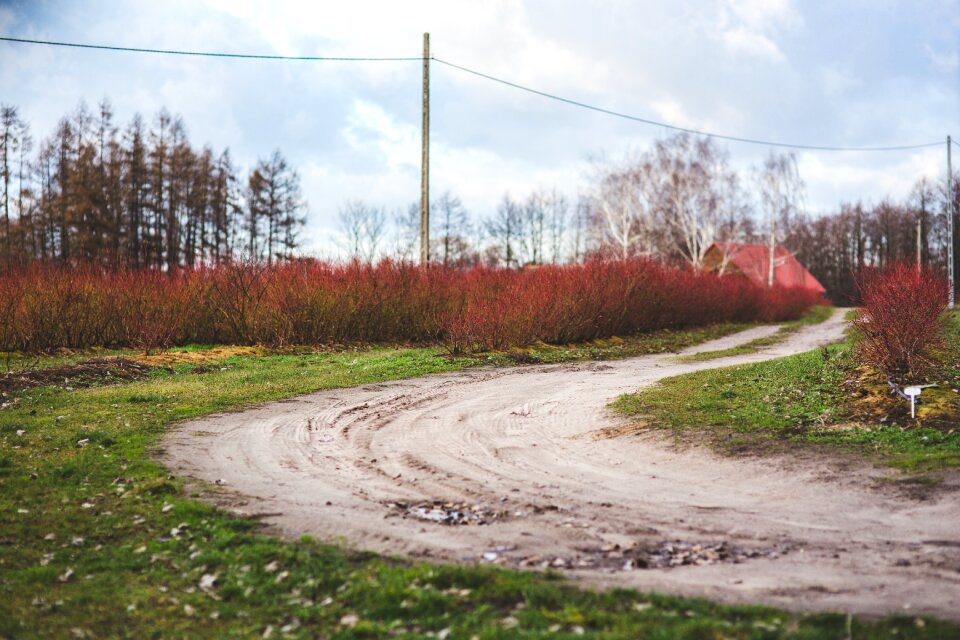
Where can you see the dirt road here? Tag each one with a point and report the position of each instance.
(511, 447)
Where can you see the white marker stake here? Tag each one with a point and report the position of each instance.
(912, 392)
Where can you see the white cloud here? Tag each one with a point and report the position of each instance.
(478, 176)
(495, 36)
(837, 81)
(756, 68)
(833, 178)
(753, 43)
(750, 26)
(765, 14)
(943, 61)
(371, 130)
(672, 112)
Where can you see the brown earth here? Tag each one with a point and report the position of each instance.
(490, 466)
(82, 374)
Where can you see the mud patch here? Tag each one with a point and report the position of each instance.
(83, 374)
(447, 513)
(666, 554)
(617, 431)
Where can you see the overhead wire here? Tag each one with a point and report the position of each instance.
(618, 114)
(209, 54)
(515, 85)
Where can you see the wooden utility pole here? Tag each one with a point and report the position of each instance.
(951, 211)
(425, 160)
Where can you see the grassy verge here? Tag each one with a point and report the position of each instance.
(816, 315)
(815, 398)
(663, 341)
(96, 540)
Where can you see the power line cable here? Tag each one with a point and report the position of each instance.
(207, 54)
(721, 136)
(576, 103)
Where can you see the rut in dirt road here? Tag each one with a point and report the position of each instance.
(492, 466)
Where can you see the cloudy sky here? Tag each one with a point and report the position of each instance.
(845, 73)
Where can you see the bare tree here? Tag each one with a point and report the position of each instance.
(781, 197)
(364, 226)
(504, 230)
(453, 222)
(697, 195)
(406, 231)
(557, 211)
(9, 146)
(275, 199)
(624, 202)
(533, 227)
(582, 218)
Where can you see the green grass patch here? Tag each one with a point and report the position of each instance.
(655, 342)
(97, 540)
(815, 315)
(803, 399)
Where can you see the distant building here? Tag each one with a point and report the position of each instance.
(753, 262)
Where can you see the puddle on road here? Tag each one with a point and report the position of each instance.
(448, 513)
(662, 555)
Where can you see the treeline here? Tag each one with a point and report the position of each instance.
(670, 203)
(140, 196)
(836, 245)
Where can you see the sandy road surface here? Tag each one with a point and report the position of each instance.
(335, 464)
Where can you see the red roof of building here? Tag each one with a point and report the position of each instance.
(753, 260)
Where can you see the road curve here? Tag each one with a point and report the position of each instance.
(352, 464)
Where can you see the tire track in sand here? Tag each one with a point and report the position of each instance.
(331, 462)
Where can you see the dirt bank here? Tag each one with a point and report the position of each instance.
(375, 466)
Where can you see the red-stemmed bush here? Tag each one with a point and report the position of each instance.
(305, 301)
(901, 321)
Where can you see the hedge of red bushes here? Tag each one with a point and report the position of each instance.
(310, 302)
(901, 322)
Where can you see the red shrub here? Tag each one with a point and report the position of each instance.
(311, 302)
(901, 321)
(151, 307)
